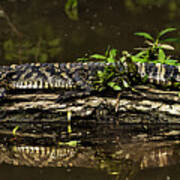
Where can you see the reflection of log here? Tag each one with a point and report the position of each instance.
(126, 159)
(143, 105)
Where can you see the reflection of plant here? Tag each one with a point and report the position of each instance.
(71, 9)
(26, 50)
(172, 7)
(155, 50)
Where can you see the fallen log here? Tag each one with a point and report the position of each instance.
(144, 105)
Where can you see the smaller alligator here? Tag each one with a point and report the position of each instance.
(78, 79)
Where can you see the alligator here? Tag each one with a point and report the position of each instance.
(78, 79)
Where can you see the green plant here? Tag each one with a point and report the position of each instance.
(107, 76)
(110, 55)
(111, 76)
(155, 50)
(119, 79)
(105, 79)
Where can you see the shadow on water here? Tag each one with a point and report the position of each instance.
(44, 31)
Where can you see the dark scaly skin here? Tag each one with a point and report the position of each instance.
(77, 79)
(160, 74)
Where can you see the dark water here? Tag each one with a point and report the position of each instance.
(39, 30)
(20, 173)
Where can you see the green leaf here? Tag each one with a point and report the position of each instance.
(145, 35)
(108, 75)
(15, 130)
(113, 53)
(149, 43)
(111, 84)
(165, 31)
(114, 86)
(100, 74)
(107, 51)
(141, 54)
(117, 88)
(122, 59)
(176, 40)
(177, 84)
(161, 55)
(156, 61)
(101, 89)
(111, 60)
(82, 59)
(73, 143)
(171, 62)
(98, 56)
(166, 46)
(125, 83)
(137, 59)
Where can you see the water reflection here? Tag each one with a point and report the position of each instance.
(119, 151)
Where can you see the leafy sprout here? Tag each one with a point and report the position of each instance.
(109, 56)
(118, 80)
(110, 77)
(107, 76)
(155, 50)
